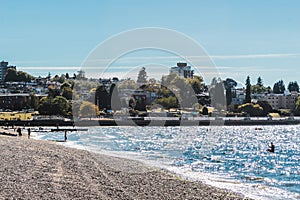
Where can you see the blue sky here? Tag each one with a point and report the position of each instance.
(256, 38)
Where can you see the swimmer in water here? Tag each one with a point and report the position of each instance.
(272, 148)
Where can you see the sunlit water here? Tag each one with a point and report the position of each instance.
(229, 157)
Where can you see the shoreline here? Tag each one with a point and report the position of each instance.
(153, 122)
(34, 169)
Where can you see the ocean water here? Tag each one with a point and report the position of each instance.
(232, 157)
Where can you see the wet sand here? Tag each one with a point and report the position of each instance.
(32, 169)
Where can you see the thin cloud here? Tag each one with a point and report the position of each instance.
(49, 68)
(252, 56)
(170, 60)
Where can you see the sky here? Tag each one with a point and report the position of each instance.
(251, 37)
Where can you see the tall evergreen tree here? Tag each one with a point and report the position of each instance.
(142, 77)
(115, 102)
(229, 84)
(102, 98)
(259, 82)
(248, 90)
(293, 87)
(279, 87)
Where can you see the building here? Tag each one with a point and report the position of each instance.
(239, 96)
(183, 70)
(282, 101)
(3, 69)
(18, 101)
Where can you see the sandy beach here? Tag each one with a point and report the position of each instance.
(32, 169)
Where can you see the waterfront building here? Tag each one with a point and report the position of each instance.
(282, 101)
(3, 69)
(238, 97)
(183, 70)
(17, 101)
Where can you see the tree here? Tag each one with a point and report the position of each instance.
(229, 84)
(205, 110)
(67, 92)
(217, 94)
(140, 103)
(251, 109)
(259, 82)
(248, 90)
(267, 108)
(297, 109)
(279, 87)
(88, 109)
(61, 106)
(60, 79)
(12, 75)
(197, 84)
(54, 106)
(102, 98)
(53, 92)
(115, 101)
(293, 87)
(167, 102)
(142, 77)
(45, 106)
(33, 101)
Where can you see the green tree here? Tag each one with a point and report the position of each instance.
(167, 102)
(205, 110)
(248, 90)
(267, 108)
(67, 92)
(254, 110)
(140, 103)
(142, 77)
(33, 101)
(88, 109)
(279, 87)
(229, 84)
(197, 84)
(115, 100)
(60, 79)
(297, 108)
(61, 106)
(45, 106)
(102, 98)
(259, 82)
(54, 106)
(12, 75)
(293, 86)
(217, 95)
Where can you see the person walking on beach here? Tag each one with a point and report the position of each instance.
(28, 133)
(66, 135)
(272, 148)
(19, 131)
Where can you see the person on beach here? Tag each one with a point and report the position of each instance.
(66, 135)
(28, 133)
(272, 148)
(19, 131)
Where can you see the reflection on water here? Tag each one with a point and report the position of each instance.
(238, 154)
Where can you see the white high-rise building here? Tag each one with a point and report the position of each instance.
(183, 70)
